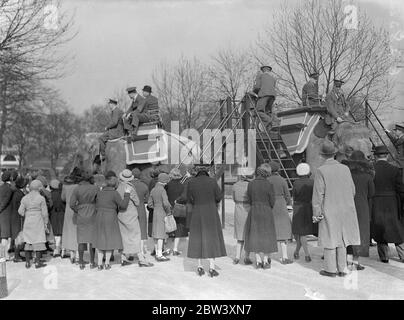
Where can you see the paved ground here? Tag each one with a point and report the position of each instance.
(177, 279)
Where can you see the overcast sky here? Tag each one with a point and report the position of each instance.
(120, 42)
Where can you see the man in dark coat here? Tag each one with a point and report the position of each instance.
(265, 87)
(137, 100)
(6, 194)
(147, 111)
(387, 219)
(337, 108)
(115, 129)
(310, 91)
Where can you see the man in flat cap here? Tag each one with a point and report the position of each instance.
(137, 100)
(147, 111)
(265, 87)
(337, 108)
(115, 129)
(310, 91)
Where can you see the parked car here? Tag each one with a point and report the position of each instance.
(9, 161)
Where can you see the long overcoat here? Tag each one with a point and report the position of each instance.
(57, 212)
(260, 233)
(16, 220)
(108, 204)
(69, 235)
(128, 220)
(205, 232)
(6, 194)
(241, 208)
(387, 219)
(82, 202)
(283, 224)
(158, 200)
(33, 209)
(302, 222)
(333, 197)
(142, 191)
(365, 189)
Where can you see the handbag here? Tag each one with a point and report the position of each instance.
(179, 210)
(169, 224)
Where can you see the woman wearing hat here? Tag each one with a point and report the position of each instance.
(142, 191)
(260, 233)
(283, 225)
(69, 234)
(362, 176)
(16, 220)
(174, 191)
(107, 234)
(158, 200)
(33, 209)
(57, 214)
(302, 222)
(241, 209)
(205, 232)
(129, 222)
(82, 202)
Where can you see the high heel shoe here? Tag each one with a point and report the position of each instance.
(213, 273)
(93, 265)
(27, 264)
(107, 266)
(307, 258)
(258, 265)
(236, 261)
(286, 261)
(82, 266)
(296, 256)
(200, 271)
(100, 267)
(266, 265)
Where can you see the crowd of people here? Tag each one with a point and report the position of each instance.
(346, 205)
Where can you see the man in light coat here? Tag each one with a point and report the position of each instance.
(334, 210)
(265, 87)
(137, 100)
(115, 129)
(337, 107)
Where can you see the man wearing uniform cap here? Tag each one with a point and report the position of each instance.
(310, 91)
(137, 100)
(265, 87)
(115, 129)
(337, 108)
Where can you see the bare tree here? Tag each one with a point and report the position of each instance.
(232, 72)
(183, 90)
(318, 36)
(31, 32)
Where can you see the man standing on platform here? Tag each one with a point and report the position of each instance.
(387, 223)
(115, 129)
(265, 88)
(337, 108)
(334, 209)
(310, 91)
(137, 100)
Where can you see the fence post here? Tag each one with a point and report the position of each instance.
(3, 273)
